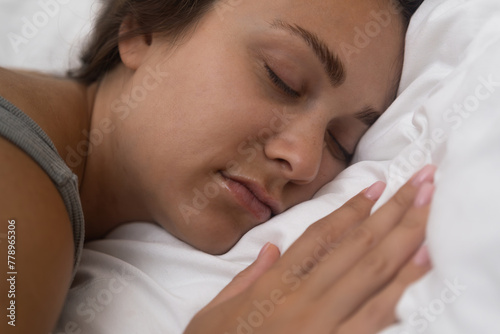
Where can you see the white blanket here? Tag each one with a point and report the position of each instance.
(142, 280)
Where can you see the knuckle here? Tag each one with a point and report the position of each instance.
(362, 236)
(375, 265)
(324, 228)
(303, 271)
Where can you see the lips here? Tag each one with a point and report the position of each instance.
(251, 196)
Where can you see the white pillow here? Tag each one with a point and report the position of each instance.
(40, 34)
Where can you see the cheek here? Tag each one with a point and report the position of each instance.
(329, 169)
(209, 98)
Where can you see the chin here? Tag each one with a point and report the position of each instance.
(215, 246)
(210, 238)
(213, 242)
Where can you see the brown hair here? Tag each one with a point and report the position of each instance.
(409, 7)
(169, 17)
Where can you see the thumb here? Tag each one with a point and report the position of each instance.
(267, 257)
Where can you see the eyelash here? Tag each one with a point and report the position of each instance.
(278, 82)
(346, 156)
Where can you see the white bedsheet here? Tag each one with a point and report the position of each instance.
(142, 280)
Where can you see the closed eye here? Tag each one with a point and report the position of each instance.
(338, 151)
(279, 83)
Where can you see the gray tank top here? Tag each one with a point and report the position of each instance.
(22, 131)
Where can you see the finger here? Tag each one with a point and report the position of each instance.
(380, 265)
(321, 238)
(396, 207)
(267, 257)
(366, 236)
(379, 312)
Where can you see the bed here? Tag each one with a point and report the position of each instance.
(139, 279)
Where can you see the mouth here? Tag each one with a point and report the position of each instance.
(252, 197)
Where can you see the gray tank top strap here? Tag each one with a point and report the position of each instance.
(22, 131)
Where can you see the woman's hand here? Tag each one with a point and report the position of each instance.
(345, 274)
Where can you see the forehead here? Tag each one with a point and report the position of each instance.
(366, 35)
(323, 14)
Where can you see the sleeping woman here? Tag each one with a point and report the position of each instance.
(209, 118)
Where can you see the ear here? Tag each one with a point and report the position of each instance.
(133, 50)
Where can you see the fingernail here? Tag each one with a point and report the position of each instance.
(424, 195)
(426, 174)
(422, 257)
(264, 249)
(375, 191)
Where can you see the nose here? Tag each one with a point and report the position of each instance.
(298, 150)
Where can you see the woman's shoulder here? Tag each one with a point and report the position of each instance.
(27, 188)
(57, 105)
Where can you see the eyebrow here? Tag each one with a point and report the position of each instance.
(331, 62)
(368, 115)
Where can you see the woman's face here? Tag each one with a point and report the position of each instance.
(257, 108)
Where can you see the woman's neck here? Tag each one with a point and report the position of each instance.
(109, 196)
